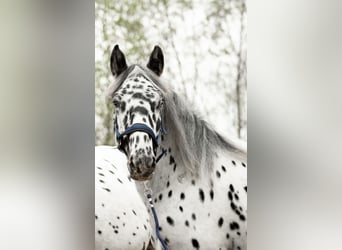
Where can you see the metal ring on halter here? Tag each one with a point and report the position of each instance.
(147, 189)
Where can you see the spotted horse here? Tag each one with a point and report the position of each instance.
(196, 177)
(121, 218)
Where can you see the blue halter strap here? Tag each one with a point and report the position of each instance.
(139, 127)
(142, 128)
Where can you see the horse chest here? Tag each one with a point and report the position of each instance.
(203, 213)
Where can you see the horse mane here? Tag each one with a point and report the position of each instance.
(195, 141)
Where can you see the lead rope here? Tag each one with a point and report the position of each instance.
(148, 193)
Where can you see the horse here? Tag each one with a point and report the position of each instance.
(193, 177)
(121, 218)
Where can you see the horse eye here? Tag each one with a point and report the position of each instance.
(116, 103)
(160, 104)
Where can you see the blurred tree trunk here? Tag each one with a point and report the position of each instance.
(241, 76)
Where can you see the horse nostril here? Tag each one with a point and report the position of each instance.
(141, 165)
(150, 162)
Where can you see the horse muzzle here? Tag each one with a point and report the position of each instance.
(141, 167)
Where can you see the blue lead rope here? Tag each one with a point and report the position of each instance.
(149, 197)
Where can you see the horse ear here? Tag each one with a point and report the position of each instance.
(156, 62)
(117, 61)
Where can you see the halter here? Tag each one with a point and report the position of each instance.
(155, 138)
(142, 128)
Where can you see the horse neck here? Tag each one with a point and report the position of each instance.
(180, 166)
(170, 170)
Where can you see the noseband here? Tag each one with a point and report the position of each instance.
(137, 127)
(142, 128)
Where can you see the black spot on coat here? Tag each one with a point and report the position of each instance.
(201, 194)
(211, 194)
(234, 225)
(182, 196)
(170, 220)
(195, 243)
(230, 196)
(172, 160)
(220, 222)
